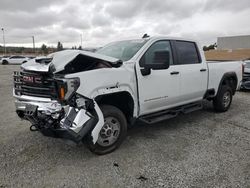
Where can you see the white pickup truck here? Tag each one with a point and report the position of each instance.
(93, 97)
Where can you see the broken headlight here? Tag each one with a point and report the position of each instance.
(66, 87)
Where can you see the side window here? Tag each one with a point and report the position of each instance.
(187, 52)
(148, 57)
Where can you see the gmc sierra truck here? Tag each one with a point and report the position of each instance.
(94, 97)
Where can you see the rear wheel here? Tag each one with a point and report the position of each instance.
(223, 99)
(112, 133)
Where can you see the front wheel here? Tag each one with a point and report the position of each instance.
(112, 133)
(223, 99)
(5, 62)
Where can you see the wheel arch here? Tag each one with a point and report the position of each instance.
(230, 79)
(122, 100)
(5, 62)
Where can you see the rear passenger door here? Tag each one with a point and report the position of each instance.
(193, 72)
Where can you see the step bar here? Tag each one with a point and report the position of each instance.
(170, 113)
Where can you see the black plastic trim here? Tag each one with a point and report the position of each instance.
(226, 76)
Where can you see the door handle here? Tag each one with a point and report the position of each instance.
(174, 72)
(203, 70)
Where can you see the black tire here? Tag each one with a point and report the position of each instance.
(223, 99)
(5, 62)
(115, 113)
(24, 62)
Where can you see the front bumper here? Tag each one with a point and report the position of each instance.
(48, 108)
(54, 120)
(69, 133)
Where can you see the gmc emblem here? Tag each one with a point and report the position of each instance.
(28, 79)
(38, 80)
(32, 79)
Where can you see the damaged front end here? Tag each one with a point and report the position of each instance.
(51, 103)
(70, 116)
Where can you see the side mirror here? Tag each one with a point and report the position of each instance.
(161, 60)
(145, 71)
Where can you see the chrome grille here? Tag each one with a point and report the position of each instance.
(34, 84)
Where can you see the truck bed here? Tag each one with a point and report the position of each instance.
(217, 69)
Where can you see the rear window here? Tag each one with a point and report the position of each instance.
(187, 52)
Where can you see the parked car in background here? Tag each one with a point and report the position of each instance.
(2, 57)
(16, 59)
(246, 75)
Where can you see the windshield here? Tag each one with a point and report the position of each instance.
(123, 50)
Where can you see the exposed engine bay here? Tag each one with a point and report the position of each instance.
(71, 61)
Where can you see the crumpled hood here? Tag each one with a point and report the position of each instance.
(62, 58)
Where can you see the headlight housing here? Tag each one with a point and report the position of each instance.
(66, 87)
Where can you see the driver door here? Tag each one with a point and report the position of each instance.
(160, 89)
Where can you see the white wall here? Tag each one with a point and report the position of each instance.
(234, 42)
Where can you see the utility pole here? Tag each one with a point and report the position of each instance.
(34, 47)
(81, 40)
(4, 42)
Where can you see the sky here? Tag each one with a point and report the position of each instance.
(99, 22)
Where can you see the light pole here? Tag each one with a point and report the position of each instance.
(81, 40)
(34, 47)
(4, 42)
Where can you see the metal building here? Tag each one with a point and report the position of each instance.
(233, 42)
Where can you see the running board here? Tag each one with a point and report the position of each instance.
(170, 113)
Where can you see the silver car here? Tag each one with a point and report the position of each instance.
(16, 59)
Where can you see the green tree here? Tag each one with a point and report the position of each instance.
(205, 48)
(59, 46)
(44, 49)
(210, 47)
